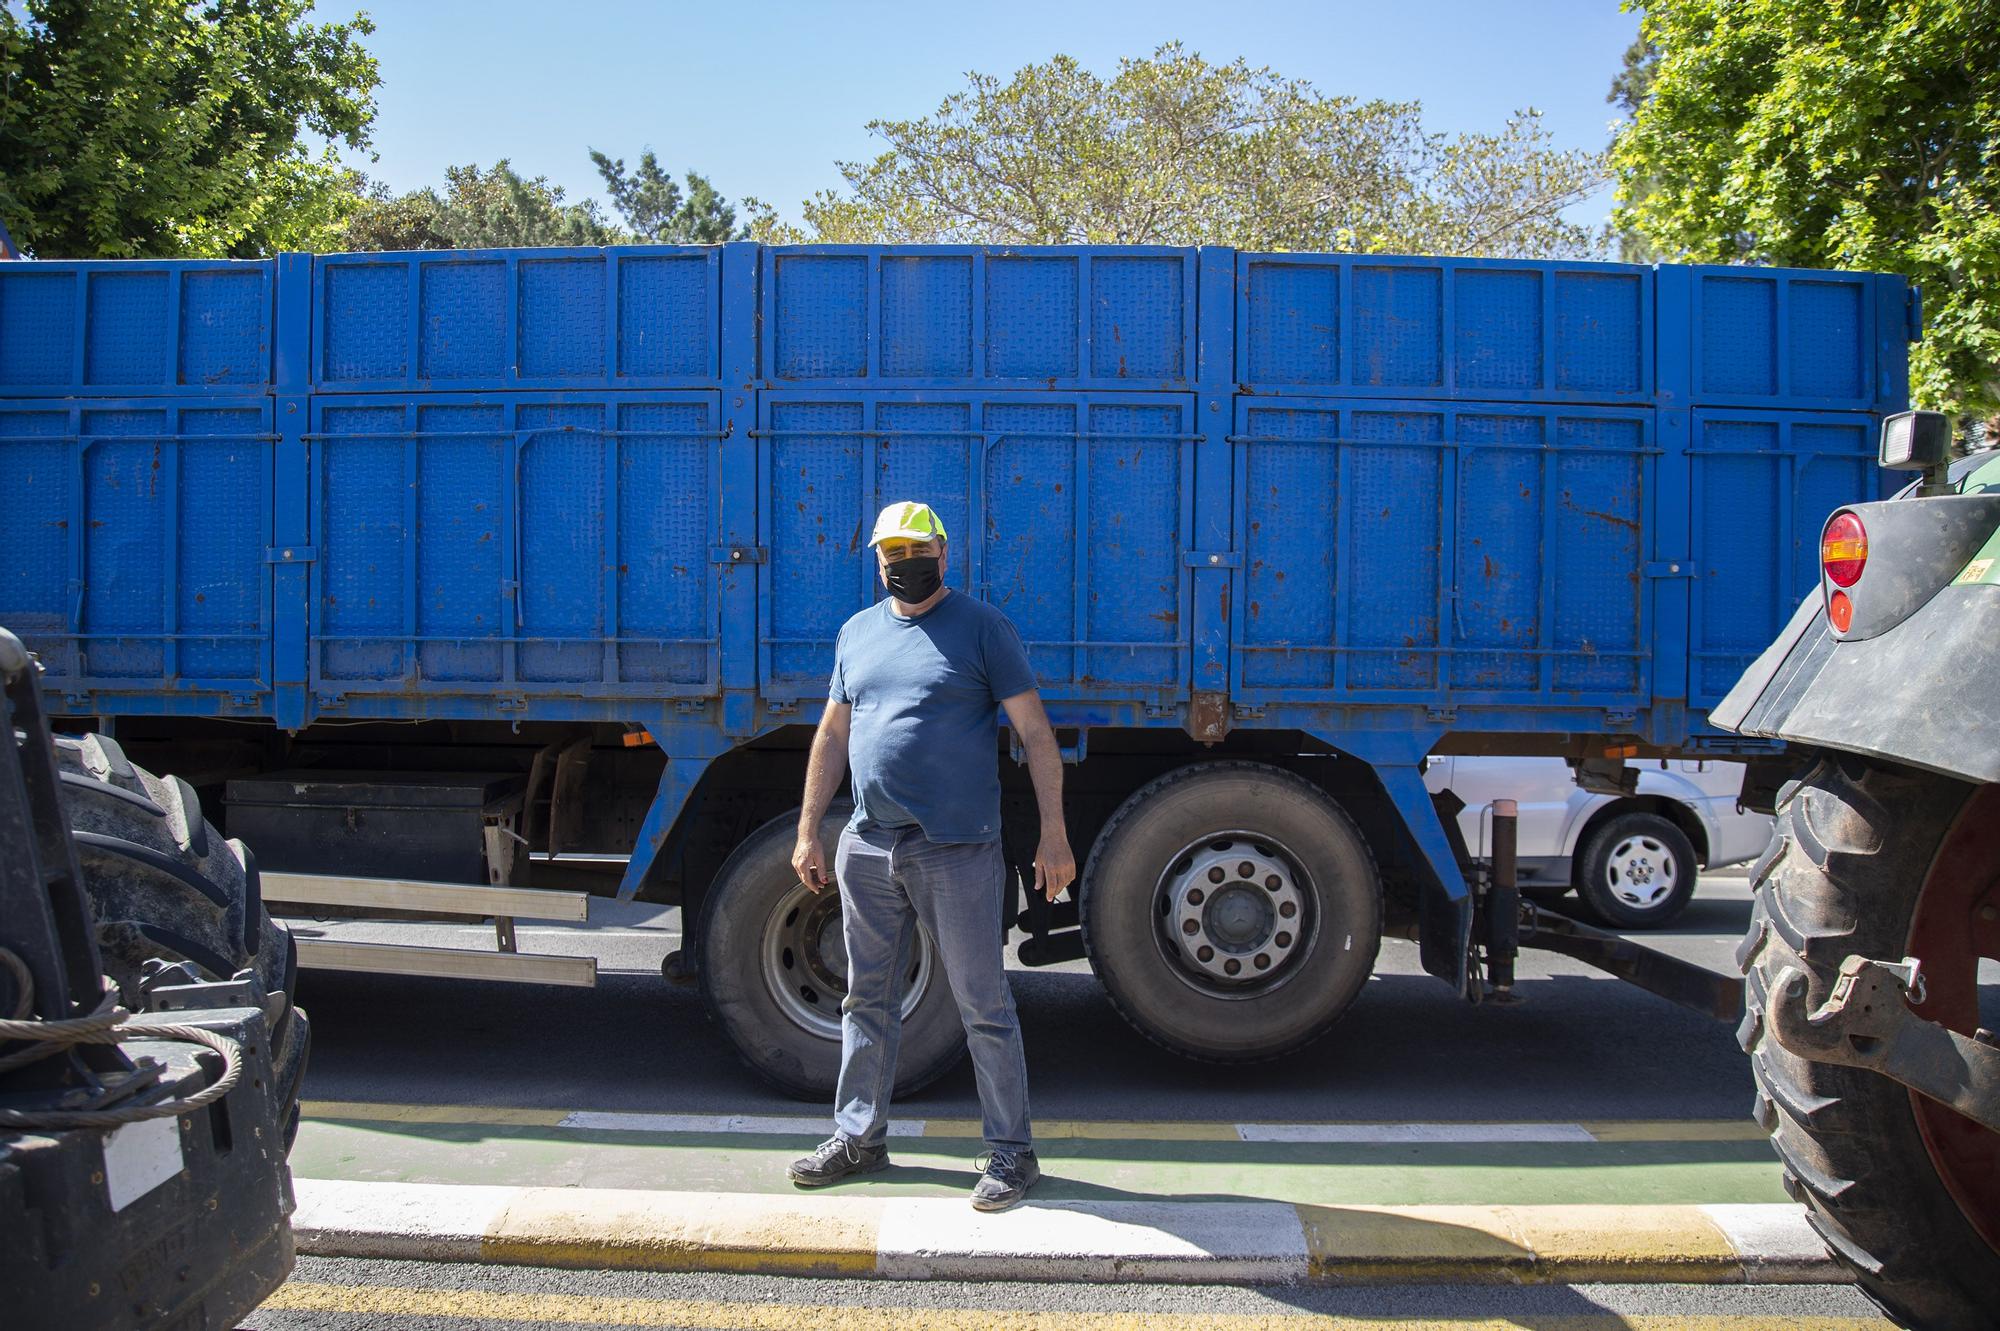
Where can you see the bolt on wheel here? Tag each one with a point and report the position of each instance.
(1233, 912)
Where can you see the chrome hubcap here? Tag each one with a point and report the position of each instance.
(805, 961)
(1641, 871)
(1233, 909)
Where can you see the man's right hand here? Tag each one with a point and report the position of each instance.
(809, 862)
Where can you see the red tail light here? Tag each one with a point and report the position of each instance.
(1841, 611)
(1843, 549)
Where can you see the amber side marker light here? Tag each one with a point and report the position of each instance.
(1843, 549)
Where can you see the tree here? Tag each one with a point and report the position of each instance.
(1629, 90)
(658, 213)
(157, 128)
(478, 210)
(1864, 134)
(1175, 150)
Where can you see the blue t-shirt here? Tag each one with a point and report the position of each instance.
(925, 692)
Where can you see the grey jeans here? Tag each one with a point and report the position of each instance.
(893, 880)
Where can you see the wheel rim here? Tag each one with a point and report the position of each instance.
(805, 961)
(1956, 923)
(1235, 914)
(1641, 872)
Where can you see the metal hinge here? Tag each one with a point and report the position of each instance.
(689, 706)
(1620, 718)
(1669, 568)
(328, 701)
(512, 703)
(1213, 559)
(782, 708)
(737, 554)
(290, 554)
(1442, 715)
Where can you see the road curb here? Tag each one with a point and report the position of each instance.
(1148, 1240)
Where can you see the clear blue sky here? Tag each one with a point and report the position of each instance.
(765, 98)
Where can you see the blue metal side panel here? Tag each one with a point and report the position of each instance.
(138, 530)
(925, 316)
(1443, 554)
(517, 545)
(1764, 483)
(1071, 512)
(128, 328)
(1444, 328)
(1792, 338)
(486, 320)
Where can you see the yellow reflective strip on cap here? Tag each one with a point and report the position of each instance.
(908, 520)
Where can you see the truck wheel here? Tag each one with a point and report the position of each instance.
(1885, 862)
(1637, 871)
(1231, 911)
(165, 886)
(774, 971)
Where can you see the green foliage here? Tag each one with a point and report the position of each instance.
(657, 212)
(1175, 150)
(1834, 133)
(478, 210)
(149, 128)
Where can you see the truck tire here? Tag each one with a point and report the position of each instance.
(774, 970)
(1232, 911)
(1885, 862)
(166, 886)
(1636, 871)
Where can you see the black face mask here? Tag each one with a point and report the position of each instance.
(913, 580)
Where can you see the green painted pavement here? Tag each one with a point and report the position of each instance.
(1498, 1174)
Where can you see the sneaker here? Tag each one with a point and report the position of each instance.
(837, 1158)
(1009, 1175)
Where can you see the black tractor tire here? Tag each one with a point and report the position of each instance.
(1600, 882)
(749, 909)
(1155, 988)
(165, 886)
(1852, 842)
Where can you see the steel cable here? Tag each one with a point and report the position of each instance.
(105, 1025)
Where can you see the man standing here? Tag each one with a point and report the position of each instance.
(911, 709)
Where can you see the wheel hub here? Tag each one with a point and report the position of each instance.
(1642, 871)
(1233, 907)
(805, 961)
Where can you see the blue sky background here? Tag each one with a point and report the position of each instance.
(765, 98)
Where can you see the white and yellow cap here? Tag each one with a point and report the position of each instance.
(907, 521)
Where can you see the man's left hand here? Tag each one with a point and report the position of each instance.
(1055, 867)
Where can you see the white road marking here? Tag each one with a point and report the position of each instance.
(748, 1124)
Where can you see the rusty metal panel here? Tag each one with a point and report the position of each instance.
(1070, 512)
(1442, 553)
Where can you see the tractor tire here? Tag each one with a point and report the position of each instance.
(1232, 912)
(773, 972)
(1883, 861)
(165, 886)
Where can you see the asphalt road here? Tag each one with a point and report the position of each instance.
(1578, 1045)
(405, 1296)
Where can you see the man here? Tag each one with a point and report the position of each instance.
(912, 710)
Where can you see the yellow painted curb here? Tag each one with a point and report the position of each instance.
(1488, 1244)
(667, 1231)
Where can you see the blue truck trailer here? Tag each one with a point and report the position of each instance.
(469, 570)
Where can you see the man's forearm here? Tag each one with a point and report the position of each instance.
(1045, 771)
(826, 765)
